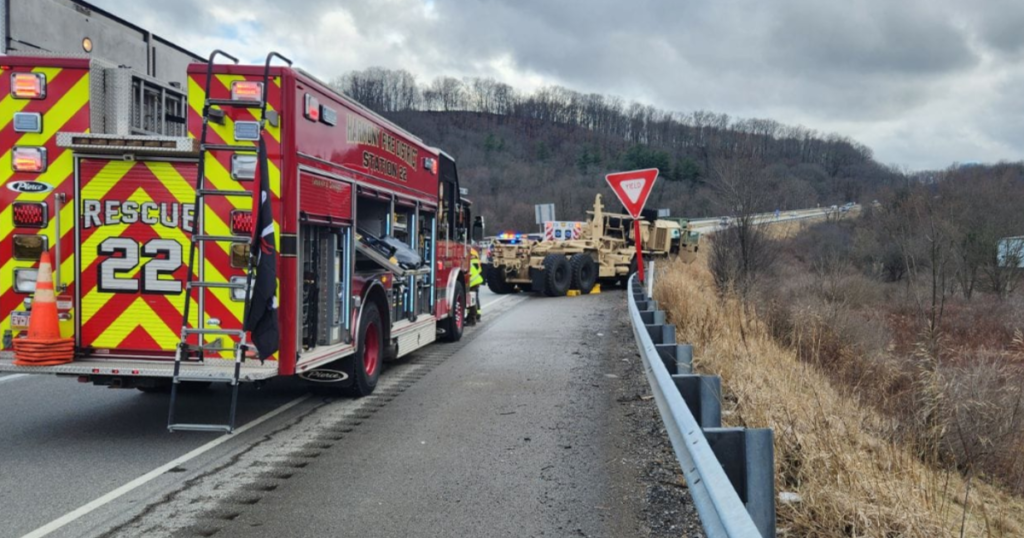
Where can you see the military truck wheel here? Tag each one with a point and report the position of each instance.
(557, 275)
(496, 281)
(584, 272)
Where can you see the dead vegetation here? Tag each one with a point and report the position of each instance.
(858, 468)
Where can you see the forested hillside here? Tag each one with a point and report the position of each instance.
(554, 146)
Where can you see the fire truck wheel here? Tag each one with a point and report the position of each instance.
(456, 322)
(496, 281)
(584, 272)
(370, 353)
(557, 275)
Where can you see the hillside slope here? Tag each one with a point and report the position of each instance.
(555, 145)
(511, 163)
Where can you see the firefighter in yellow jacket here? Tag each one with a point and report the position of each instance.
(476, 278)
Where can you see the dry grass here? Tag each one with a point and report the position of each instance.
(829, 449)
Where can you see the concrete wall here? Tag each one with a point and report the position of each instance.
(59, 26)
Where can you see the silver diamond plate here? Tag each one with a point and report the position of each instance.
(117, 85)
(137, 144)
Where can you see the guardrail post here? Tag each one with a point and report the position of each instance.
(678, 358)
(662, 334)
(748, 456)
(703, 395)
(653, 318)
(646, 305)
(742, 463)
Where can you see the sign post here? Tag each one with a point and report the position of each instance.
(633, 188)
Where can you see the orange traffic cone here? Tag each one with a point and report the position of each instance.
(43, 346)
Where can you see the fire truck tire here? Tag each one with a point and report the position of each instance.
(584, 273)
(496, 281)
(557, 275)
(454, 325)
(369, 357)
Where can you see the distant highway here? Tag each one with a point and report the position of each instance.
(714, 224)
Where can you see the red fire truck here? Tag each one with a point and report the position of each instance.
(370, 229)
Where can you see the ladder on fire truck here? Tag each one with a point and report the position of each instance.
(237, 336)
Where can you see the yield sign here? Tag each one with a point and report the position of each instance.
(633, 188)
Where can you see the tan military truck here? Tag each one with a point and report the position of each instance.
(605, 252)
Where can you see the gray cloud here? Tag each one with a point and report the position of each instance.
(924, 83)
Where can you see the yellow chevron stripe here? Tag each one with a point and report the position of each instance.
(115, 334)
(94, 300)
(215, 171)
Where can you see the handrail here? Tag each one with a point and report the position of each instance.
(721, 511)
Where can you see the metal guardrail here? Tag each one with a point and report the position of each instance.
(729, 471)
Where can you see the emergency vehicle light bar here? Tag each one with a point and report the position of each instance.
(312, 108)
(246, 90)
(243, 167)
(26, 159)
(28, 85)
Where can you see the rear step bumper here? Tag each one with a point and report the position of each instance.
(213, 370)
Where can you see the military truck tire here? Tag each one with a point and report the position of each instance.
(584, 273)
(557, 275)
(496, 281)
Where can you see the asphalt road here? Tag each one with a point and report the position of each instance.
(64, 444)
(512, 436)
(520, 429)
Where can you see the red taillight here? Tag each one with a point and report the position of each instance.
(246, 90)
(241, 222)
(29, 160)
(28, 85)
(30, 215)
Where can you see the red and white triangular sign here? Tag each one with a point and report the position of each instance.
(633, 188)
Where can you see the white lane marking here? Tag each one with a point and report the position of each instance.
(85, 509)
(12, 377)
(499, 299)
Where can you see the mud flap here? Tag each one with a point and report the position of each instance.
(537, 280)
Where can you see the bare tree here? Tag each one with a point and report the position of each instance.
(743, 251)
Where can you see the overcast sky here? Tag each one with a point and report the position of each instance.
(923, 83)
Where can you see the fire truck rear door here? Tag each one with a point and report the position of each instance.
(132, 243)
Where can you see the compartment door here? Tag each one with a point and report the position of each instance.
(134, 220)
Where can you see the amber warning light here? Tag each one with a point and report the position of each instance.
(29, 160)
(246, 90)
(28, 85)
